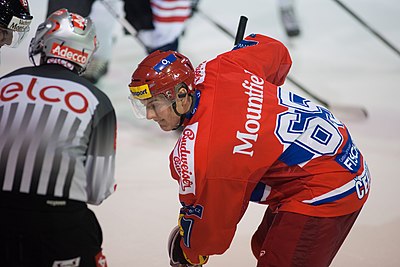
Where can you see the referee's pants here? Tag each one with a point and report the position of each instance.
(39, 231)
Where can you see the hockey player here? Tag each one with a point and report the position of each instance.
(57, 151)
(246, 139)
(14, 21)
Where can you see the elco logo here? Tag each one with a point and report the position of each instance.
(38, 90)
(69, 53)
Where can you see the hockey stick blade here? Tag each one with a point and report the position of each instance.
(349, 113)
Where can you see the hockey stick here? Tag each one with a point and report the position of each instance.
(122, 20)
(353, 112)
(241, 29)
(219, 26)
(374, 32)
(342, 111)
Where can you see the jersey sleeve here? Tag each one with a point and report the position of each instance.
(100, 164)
(264, 56)
(209, 227)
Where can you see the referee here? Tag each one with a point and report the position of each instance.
(57, 151)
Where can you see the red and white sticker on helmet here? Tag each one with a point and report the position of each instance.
(101, 260)
(24, 3)
(78, 21)
(69, 53)
(60, 11)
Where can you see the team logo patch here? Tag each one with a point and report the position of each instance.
(164, 63)
(192, 210)
(350, 158)
(141, 92)
(69, 53)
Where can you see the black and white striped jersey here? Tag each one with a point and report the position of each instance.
(57, 135)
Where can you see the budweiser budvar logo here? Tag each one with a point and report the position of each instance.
(184, 164)
(69, 53)
(183, 159)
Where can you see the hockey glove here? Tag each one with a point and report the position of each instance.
(176, 255)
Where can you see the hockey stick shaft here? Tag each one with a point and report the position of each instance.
(218, 25)
(297, 84)
(362, 111)
(369, 28)
(122, 20)
(241, 29)
(223, 29)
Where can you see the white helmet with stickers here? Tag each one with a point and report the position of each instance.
(65, 37)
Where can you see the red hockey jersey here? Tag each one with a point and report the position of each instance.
(250, 140)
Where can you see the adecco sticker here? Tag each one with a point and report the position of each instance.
(69, 53)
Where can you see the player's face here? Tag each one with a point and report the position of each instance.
(160, 110)
(5, 37)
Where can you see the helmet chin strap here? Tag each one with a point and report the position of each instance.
(182, 116)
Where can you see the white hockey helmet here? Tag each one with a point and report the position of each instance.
(66, 36)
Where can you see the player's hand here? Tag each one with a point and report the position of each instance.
(176, 255)
(176, 258)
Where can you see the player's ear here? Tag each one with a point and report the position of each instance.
(183, 101)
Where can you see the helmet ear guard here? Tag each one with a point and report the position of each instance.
(182, 95)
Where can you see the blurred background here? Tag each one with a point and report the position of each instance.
(335, 57)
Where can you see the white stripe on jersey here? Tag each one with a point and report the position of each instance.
(171, 4)
(171, 13)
